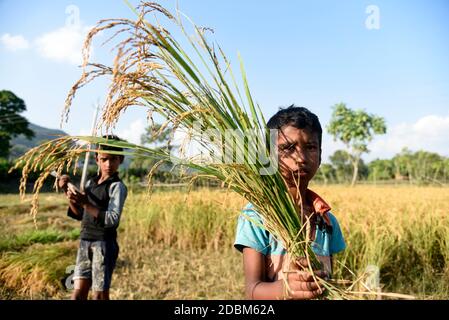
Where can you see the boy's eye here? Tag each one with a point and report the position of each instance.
(288, 148)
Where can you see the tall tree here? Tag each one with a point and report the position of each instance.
(420, 166)
(155, 134)
(326, 173)
(381, 169)
(342, 164)
(355, 128)
(157, 137)
(12, 123)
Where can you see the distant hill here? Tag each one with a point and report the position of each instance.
(21, 144)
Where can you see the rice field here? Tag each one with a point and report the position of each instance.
(178, 245)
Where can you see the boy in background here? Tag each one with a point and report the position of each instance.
(99, 209)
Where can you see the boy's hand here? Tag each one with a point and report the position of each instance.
(77, 198)
(63, 182)
(302, 284)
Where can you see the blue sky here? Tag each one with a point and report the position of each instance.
(311, 53)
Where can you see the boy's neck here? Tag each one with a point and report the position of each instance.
(302, 193)
(104, 177)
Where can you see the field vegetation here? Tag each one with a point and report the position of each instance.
(179, 245)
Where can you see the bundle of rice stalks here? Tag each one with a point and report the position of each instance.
(199, 94)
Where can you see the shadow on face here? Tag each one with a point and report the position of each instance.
(299, 155)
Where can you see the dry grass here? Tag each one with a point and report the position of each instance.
(160, 272)
(402, 230)
(37, 271)
(203, 219)
(178, 247)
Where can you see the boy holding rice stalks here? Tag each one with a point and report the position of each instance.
(99, 209)
(266, 265)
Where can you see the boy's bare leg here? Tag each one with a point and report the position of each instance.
(82, 287)
(100, 295)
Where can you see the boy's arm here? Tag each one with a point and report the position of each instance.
(75, 211)
(301, 283)
(255, 286)
(117, 196)
(110, 217)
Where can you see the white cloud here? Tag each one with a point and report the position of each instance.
(430, 133)
(14, 43)
(133, 132)
(63, 44)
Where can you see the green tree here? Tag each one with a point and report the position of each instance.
(342, 164)
(427, 166)
(12, 123)
(420, 166)
(158, 138)
(156, 134)
(403, 165)
(381, 169)
(445, 171)
(355, 128)
(326, 173)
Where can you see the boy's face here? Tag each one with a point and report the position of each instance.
(108, 163)
(299, 155)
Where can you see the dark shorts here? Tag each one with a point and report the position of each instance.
(96, 261)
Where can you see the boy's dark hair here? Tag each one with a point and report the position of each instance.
(111, 148)
(298, 117)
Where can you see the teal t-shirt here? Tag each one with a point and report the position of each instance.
(251, 233)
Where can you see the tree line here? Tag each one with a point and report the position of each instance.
(355, 128)
(420, 167)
